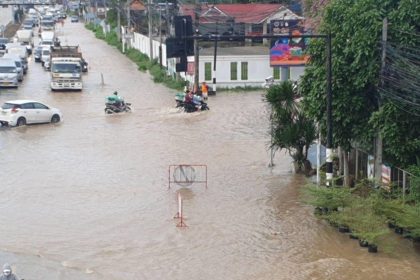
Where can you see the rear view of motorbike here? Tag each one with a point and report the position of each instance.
(189, 107)
(117, 108)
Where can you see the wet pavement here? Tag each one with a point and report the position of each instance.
(88, 198)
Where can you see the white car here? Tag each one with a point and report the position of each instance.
(22, 112)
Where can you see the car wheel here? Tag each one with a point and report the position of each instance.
(55, 119)
(21, 121)
(108, 111)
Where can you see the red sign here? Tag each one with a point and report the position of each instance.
(190, 68)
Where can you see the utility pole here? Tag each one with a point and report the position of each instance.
(167, 19)
(128, 14)
(329, 158)
(378, 140)
(318, 157)
(197, 11)
(160, 37)
(214, 58)
(119, 20)
(149, 14)
(128, 29)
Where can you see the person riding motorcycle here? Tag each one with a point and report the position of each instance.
(7, 273)
(115, 100)
(189, 96)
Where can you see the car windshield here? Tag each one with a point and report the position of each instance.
(4, 40)
(65, 68)
(45, 52)
(47, 23)
(6, 106)
(7, 69)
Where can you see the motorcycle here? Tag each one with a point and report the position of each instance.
(117, 108)
(197, 105)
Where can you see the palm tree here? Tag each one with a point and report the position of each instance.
(291, 129)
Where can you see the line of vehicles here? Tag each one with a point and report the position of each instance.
(65, 63)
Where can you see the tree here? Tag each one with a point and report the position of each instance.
(398, 120)
(356, 27)
(292, 130)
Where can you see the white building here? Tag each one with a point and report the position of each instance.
(239, 67)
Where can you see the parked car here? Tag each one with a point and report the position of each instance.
(22, 112)
(74, 19)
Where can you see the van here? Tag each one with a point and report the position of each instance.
(8, 73)
(18, 63)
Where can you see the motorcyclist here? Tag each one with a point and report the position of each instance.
(197, 101)
(7, 273)
(115, 100)
(189, 96)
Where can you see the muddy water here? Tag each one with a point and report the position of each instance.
(89, 198)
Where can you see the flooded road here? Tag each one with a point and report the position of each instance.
(89, 199)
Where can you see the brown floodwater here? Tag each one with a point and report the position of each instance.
(89, 199)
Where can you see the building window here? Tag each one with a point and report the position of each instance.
(207, 71)
(233, 71)
(276, 73)
(244, 70)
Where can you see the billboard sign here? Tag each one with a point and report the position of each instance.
(288, 51)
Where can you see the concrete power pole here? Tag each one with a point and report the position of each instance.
(149, 15)
(378, 140)
(197, 11)
(119, 20)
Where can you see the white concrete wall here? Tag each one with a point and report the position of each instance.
(6, 16)
(142, 43)
(258, 69)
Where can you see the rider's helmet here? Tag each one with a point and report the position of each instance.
(115, 92)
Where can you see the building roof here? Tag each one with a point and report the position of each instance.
(137, 5)
(240, 13)
(249, 13)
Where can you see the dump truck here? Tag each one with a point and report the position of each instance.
(66, 68)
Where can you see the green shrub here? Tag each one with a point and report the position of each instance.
(331, 198)
(99, 33)
(90, 26)
(175, 84)
(362, 214)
